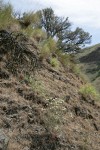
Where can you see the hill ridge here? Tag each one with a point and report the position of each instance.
(90, 64)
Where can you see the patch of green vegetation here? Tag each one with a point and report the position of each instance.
(54, 62)
(28, 31)
(47, 47)
(89, 91)
(44, 52)
(37, 86)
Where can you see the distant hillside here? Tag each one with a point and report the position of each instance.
(90, 64)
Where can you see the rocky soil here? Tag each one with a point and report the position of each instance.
(27, 120)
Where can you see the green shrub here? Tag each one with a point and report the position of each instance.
(54, 62)
(35, 33)
(89, 91)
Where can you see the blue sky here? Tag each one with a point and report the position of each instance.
(82, 13)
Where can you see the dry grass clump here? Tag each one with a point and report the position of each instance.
(6, 15)
(28, 31)
(29, 19)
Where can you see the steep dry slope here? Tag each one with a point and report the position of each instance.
(90, 62)
(48, 112)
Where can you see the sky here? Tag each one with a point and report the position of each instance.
(82, 13)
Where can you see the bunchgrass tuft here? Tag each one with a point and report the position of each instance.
(29, 19)
(47, 48)
(44, 52)
(54, 62)
(89, 91)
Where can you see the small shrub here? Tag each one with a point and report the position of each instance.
(89, 91)
(54, 62)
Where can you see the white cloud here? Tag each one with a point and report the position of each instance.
(78, 11)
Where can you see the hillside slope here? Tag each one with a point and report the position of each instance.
(44, 110)
(90, 64)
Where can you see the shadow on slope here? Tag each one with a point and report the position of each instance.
(48, 141)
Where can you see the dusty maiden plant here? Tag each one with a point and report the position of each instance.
(54, 114)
